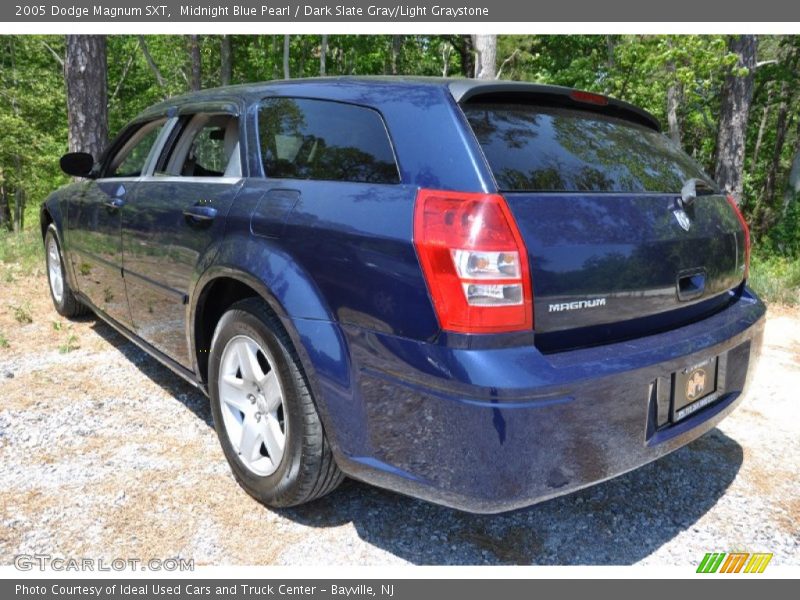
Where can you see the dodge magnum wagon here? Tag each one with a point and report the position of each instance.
(483, 294)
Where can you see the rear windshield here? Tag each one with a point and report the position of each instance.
(531, 148)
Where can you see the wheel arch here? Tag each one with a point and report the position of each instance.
(217, 291)
(221, 287)
(50, 214)
(45, 219)
(244, 265)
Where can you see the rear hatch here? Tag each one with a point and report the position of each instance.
(615, 251)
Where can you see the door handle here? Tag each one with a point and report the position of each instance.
(199, 212)
(114, 203)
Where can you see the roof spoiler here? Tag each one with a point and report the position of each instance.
(471, 90)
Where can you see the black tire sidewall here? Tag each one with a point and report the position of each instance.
(267, 488)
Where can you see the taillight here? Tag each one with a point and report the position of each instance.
(746, 229)
(474, 262)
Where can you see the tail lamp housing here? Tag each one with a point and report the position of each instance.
(740, 216)
(474, 261)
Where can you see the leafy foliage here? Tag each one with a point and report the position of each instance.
(641, 69)
(33, 115)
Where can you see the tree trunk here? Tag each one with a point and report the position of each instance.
(151, 63)
(610, 62)
(121, 82)
(19, 210)
(323, 52)
(226, 60)
(463, 45)
(610, 52)
(781, 127)
(673, 105)
(301, 67)
(792, 193)
(286, 74)
(486, 59)
(19, 194)
(194, 63)
(737, 95)
(397, 47)
(762, 127)
(274, 58)
(5, 215)
(85, 69)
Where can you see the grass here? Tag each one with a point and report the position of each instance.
(776, 279)
(4, 341)
(20, 254)
(22, 313)
(69, 345)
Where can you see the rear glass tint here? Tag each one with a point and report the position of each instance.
(531, 148)
(318, 139)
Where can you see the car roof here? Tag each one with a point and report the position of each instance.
(461, 90)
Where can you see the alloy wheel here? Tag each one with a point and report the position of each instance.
(252, 404)
(54, 271)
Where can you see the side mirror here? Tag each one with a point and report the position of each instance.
(77, 164)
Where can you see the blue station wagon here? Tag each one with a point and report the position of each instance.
(483, 294)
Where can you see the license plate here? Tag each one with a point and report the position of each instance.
(694, 388)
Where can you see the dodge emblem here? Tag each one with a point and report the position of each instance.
(682, 218)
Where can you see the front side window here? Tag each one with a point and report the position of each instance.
(208, 146)
(319, 139)
(130, 159)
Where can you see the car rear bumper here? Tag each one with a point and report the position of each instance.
(490, 430)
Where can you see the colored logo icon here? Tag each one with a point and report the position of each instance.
(734, 562)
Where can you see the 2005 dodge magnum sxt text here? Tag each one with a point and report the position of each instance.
(483, 294)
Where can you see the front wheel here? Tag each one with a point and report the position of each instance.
(263, 410)
(64, 300)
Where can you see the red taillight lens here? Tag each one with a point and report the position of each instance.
(474, 261)
(588, 97)
(746, 229)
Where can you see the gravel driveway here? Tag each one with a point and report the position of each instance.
(104, 453)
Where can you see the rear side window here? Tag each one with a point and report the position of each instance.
(318, 139)
(532, 148)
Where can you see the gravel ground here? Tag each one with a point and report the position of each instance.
(104, 453)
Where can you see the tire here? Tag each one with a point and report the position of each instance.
(249, 334)
(64, 300)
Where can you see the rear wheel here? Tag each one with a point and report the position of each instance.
(65, 302)
(263, 410)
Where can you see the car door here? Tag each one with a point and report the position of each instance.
(172, 220)
(94, 220)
